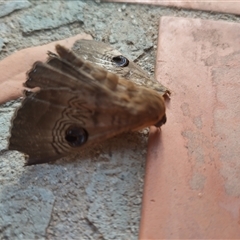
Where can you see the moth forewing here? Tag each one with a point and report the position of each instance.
(104, 55)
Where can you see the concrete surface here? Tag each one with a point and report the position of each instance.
(96, 194)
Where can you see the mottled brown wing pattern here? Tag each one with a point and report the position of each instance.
(77, 104)
(112, 60)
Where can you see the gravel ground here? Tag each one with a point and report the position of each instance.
(97, 193)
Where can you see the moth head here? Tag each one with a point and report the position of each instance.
(162, 121)
(120, 61)
(76, 136)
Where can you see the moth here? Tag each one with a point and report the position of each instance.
(82, 97)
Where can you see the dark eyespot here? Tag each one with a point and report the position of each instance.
(120, 61)
(162, 121)
(76, 136)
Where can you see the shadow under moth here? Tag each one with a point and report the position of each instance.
(82, 97)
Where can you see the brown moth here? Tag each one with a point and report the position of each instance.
(78, 103)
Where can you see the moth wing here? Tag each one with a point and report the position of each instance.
(104, 54)
(43, 124)
(76, 107)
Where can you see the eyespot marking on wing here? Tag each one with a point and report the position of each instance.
(76, 136)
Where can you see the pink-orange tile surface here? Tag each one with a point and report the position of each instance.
(227, 6)
(192, 184)
(13, 68)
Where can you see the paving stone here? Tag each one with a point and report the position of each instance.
(213, 6)
(192, 184)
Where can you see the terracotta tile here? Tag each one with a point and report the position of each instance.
(192, 184)
(227, 6)
(13, 68)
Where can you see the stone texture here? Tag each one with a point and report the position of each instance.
(25, 213)
(138, 40)
(192, 179)
(7, 7)
(227, 6)
(1, 44)
(43, 17)
(108, 179)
